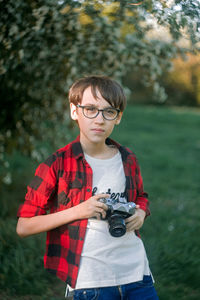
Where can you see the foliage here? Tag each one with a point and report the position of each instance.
(183, 83)
(167, 144)
(45, 46)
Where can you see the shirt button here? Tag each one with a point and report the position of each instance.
(81, 239)
(88, 190)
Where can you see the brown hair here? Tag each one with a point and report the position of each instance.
(109, 89)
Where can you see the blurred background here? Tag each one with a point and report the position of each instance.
(152, 48)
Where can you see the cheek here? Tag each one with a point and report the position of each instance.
(110, 129)
(83, 124)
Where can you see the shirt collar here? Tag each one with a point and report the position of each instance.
(77, 148)
(78, 151)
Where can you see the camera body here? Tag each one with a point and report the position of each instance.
(116, 214)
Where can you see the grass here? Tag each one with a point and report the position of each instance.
(167, 144)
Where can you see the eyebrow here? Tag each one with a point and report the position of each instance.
(91, 104)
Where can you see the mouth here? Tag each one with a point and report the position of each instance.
(98, 130)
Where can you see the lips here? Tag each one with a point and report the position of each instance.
(98, 130)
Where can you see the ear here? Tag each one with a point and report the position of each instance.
(118, 120)
(73, 111)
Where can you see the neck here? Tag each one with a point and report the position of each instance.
(98, 150)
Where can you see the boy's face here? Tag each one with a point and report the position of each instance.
(94, 130)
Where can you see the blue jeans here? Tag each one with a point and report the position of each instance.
(141, 290)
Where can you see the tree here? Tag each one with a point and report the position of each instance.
(45, 46)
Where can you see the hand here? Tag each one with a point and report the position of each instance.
(136, 221)
(92, 208)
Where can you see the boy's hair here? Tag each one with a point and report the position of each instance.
(109, 89)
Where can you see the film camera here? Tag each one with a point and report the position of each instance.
(116, 214)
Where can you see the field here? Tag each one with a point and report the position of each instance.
(167, 144)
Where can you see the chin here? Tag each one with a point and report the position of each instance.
(98, 139)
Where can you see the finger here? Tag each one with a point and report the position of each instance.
(131, 226)
(129, 229)
(102, 212)
(134, 226)
(103, 206)
(130, 219)
(98, 216)
(99, 203)
(99, 196)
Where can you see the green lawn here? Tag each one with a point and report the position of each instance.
(167, 144)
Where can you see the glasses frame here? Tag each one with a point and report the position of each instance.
(98, 111)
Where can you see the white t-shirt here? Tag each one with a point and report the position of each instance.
(107, 260)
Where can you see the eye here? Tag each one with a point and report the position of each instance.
(90, 108)
(110, 111)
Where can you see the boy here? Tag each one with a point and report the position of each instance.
(71, 183)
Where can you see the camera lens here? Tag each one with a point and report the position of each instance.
(117, 225)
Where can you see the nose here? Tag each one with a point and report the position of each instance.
(99, 118)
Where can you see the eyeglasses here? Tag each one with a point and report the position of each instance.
(92, 112)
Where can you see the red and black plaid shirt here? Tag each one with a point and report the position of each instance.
(65, 180)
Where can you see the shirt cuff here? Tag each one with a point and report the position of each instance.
(28, 210)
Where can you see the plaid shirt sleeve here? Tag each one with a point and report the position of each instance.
(39, 191)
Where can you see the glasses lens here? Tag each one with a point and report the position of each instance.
(90, 111)
(110, 113)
